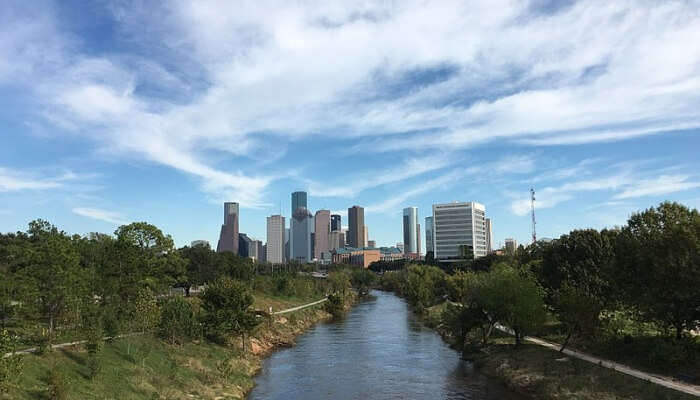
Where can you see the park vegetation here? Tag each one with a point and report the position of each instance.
(124, 291)
(630, 293)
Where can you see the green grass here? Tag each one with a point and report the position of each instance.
(144, 367)
(545, 374)
(140, 367)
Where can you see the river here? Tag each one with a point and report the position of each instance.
(380, 350)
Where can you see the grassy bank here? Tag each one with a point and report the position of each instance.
(145, 367)
(540, 373)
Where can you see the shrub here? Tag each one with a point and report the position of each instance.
(335, 304)
(177, 321)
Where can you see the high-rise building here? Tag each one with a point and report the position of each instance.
(365, 235)
(429, 235)
(418, 239)
(400, 246)
(336, 240)
(336, 222)
(459, 229)
(489, 235)
(356, 226)
(275, 239)
(322, 223)
(372, 244)
(298, 200)
(302, 226)
(287, 253)
(228, 237)
(410, 230)
(245, 245)
(511, 245)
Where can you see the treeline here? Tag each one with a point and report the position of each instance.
(56, 287)
(635, 289)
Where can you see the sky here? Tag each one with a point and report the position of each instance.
(121, 111)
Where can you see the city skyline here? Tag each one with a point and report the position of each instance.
(408, 108)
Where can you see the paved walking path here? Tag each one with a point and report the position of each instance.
(69, 344)
(300, 307)
(654, 378)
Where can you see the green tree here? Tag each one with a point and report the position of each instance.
(577, 311)
(362, 280)
(658, 255)
(178, 323)
(339, 282)
(512, 298)
(228, 309)
(53, 277)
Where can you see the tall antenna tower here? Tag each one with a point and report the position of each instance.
(532, 205)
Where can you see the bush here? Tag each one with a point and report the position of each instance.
(227, 305)
(177, 321)
(10, 367)
(335, 304)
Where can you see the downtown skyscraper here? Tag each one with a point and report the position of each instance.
(275, 239)
(356, 227)
(322, 224)
(228, 237)
(301, 227)
(411, 231)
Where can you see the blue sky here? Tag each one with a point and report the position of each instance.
(119, 111)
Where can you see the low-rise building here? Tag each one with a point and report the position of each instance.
(354, 256)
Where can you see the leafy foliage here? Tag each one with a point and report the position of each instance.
(178, 323)
(227, 305)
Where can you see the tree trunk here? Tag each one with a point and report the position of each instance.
(566, 341)
(679, 331)
(243, 337)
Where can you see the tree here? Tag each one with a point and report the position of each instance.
(339, 282)
(227, 305)
(202, 266)
(144, 313)
(512, 298)
(53, 275)
(577, 311)
(178, 323)
(658, 256)
(362, 280)
(584, 259)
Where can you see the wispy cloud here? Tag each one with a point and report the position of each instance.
(13, 180)
(410, 168)
(664, 184)
(399, 77)
(101, 215)
(394, 202)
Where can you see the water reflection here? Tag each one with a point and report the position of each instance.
(380, 350)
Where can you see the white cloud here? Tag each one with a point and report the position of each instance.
(595, 71)
(102, 215)
(394, 202)
(410, 168)
(13, 180)
(664, 184)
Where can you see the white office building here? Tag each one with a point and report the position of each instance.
(456, 225)
(275, 239)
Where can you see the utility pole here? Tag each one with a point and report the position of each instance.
(532, 205)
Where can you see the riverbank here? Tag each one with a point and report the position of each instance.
(540, 373)
(145, 367)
